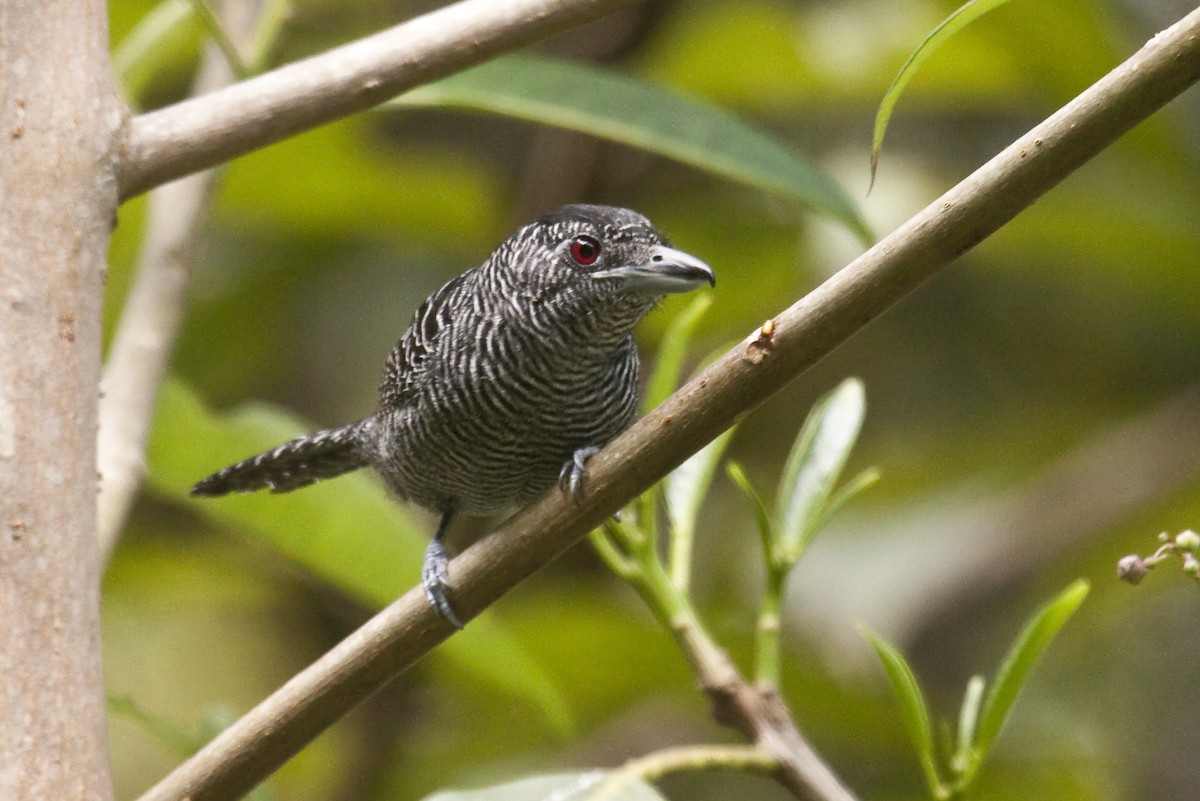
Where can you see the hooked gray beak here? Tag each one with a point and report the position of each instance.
(667, 271)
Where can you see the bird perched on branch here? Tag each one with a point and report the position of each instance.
(509, 378)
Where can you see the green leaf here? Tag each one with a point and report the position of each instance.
(668, 366)
(574, 786)
(964, 15)
(663, 381)
(815, 463)
(685, 489)
(621, 109)
(1032, 642)
(166, 731)
(968, 718)
(765, 527)
(159, 37)
(687, 485)
(913, 709)
(348, 532)
(848, 492)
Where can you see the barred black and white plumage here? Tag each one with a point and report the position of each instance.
(506, 373)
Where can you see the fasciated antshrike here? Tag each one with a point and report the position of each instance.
(509, 377)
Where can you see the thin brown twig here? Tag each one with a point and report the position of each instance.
(398, 636)
(760, 714)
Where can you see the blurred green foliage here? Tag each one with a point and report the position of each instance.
(1059, 331)
(951, 771)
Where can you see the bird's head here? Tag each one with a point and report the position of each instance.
(600, 256)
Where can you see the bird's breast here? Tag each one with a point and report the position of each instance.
(495, 422)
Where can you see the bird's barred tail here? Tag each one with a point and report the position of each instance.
(293, 464)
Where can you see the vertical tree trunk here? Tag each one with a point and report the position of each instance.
(59, 123)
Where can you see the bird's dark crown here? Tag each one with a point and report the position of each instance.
(539, 254)
(609, 218)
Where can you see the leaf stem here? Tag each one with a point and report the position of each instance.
(618, 562)
(656, 765)
(679, 560)
(648, 576)
(221, 37)
(766, 632)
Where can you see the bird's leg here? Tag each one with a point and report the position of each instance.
(570, 480)
(435, 577)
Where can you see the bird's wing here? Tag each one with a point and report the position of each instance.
(405, 365)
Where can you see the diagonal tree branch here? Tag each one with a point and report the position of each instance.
(206, 131)
(763, 363)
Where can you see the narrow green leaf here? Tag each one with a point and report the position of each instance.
(216, 31)
(349, 531)
(1028, 648)
(968, 717)
(663, 381)
(166, 731)
(685, 489)
(848, 492)
(964, 15)
(622, 109)
(687, 485)
(157, 38)
(213, 721)
(765, 527)
(668, 365)
(815, 463)
(913, 709)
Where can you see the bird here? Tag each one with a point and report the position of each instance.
(509, 378)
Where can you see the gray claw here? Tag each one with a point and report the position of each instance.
(570, 480)
(435, 580)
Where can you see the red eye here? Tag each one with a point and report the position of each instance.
(585, 250)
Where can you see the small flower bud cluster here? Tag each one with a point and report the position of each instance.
(1185, 545)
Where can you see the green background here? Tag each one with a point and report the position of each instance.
(1004, 405)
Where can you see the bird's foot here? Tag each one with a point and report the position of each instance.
(435, 580)
(570, 480)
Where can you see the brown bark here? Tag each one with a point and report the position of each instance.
(58, 123)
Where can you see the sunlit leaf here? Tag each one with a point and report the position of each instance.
(1028, 648)
(622, 109)
(913, 710)
(348, 531)
(685, 489)
(815, 464)
(573, 786)
(964, 15)
(968, 719)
